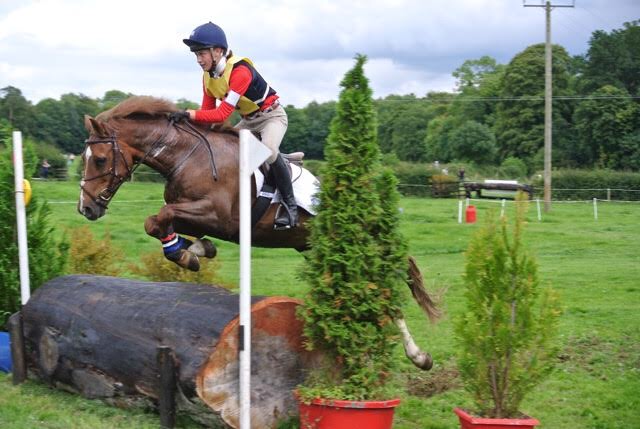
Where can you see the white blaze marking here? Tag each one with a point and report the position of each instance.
(87, 157)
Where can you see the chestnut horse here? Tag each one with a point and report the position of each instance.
(200, 166)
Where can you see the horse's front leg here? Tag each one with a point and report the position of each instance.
(177, 249)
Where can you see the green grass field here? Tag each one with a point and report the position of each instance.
(594, 264)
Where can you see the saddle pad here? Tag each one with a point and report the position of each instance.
(305, 187)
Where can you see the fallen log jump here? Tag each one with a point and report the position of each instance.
(99, 336)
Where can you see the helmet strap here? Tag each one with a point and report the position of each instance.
(219, 66)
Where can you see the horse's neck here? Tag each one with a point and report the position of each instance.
(162, 149)
(168, 151)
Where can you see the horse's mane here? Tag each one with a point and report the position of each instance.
(144, 105)
(138, 105)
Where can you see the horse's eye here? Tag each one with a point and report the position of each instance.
(101, 161)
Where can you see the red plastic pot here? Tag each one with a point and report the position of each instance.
(332, 414)
(467, 421)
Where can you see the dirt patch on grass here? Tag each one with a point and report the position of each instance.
(438, 380)
(595, 354)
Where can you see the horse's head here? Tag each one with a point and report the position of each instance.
(106, 166)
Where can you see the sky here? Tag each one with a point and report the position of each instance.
(302, 47)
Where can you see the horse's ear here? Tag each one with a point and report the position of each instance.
(94, 126)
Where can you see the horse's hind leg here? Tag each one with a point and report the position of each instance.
(175, 247)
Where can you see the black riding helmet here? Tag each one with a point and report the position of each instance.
(205, 36)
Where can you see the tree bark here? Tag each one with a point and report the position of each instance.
(99, 336)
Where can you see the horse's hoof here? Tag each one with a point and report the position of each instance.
(189, 261)
(203, 247)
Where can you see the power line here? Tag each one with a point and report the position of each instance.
(516, 98)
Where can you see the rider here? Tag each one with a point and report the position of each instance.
(236, 83)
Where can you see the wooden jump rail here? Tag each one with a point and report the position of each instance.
(478, 187)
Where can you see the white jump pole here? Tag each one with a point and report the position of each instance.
(459, 211)
(252, 154)
(23, 256)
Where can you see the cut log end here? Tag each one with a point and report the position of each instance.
(276, 369)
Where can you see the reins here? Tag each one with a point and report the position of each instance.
(190, 129)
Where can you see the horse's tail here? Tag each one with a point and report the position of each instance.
(416, 284)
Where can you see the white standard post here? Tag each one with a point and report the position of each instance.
(252, 154)
(23, 256)
(502, 208)
(595, 208)
(459, 211)
(538, 205)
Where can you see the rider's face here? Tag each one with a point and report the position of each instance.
(206, 59)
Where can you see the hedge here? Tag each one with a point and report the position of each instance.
(567, 184)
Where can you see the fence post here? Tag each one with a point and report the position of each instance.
(608, 194)
(168, 386)
(18, 355)
(595, 208)
(538, 206)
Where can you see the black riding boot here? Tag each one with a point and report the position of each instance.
(288, 214)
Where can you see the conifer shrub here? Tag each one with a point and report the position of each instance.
(507, 333)
(47, 254)
(357, 262)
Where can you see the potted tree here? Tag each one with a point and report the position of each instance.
(356, 268)
(506, 334)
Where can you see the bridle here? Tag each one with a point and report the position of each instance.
(116, 180)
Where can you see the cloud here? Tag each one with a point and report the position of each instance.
(303, 47)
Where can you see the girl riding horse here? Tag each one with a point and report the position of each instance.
(236, 84)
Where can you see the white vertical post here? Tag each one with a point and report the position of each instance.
(502, 208)
(252, 154)
(21, 218)
(245, 287)
(538, 205)
(595, 208)
(459, 211)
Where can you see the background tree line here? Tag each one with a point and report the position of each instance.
(494, 116)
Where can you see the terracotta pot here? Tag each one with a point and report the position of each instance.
(467, 421)
(332, 414)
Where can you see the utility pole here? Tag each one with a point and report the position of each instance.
(548, 95)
